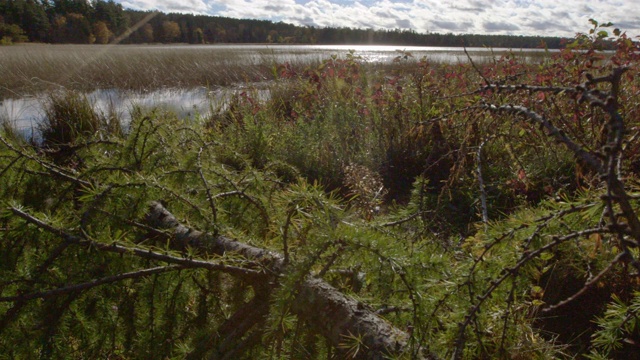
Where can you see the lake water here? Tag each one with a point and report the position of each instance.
(256, 53)
(23, 113)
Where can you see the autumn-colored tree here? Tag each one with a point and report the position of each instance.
(170, 31)
(82, 7)
(113, 14)
(79, 29)
(102, 33)
(198, 36)
(272, 37)
(221, 34)
(72, 28)
(29, 15)
(37, 18)
(146, 32)
(58, 28)
(11, 33)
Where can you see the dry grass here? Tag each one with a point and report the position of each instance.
(35, 68)
(29, 69)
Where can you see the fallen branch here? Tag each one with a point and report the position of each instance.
(331, 313)
(137, 251)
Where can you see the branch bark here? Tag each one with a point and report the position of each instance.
(335, 316)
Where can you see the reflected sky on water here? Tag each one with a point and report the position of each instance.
(256, 53)
(23, 113)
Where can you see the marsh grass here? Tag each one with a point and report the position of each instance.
(31, 69)
(318, 116)
(70, 118)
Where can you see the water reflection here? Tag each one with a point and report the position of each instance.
(252, 54)
(25, 112)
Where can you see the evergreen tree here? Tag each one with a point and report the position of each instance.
(113, 14)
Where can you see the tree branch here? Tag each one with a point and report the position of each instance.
(557, 134)
(331, 313)
(248, 274)
(90, 284)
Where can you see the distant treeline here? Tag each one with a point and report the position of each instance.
(102, 22)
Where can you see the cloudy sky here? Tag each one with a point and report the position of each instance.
(513, 17)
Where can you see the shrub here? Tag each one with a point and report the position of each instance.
(69, 117)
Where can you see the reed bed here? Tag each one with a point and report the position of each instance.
(30, 69)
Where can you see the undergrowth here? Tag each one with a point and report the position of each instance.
(484, 210)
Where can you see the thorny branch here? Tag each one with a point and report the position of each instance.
(605, 163)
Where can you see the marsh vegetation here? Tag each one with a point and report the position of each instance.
(188, 80)
(417, 210)
(32, 68)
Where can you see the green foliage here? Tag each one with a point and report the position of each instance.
(11, 33)
(618, 329)
(500, 233)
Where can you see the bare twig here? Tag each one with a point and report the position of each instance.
(475, 67)
(205, 183)
(53, 169)
(593, 161)
(588, 285)
(90, 284)
(404, 220)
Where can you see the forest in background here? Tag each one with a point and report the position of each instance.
(102, 22)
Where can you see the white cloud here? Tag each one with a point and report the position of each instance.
(514, 17)
(185, 6)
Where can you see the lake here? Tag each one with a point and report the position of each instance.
(116, 78)
(256, 53)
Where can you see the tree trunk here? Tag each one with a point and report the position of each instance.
(338, 318)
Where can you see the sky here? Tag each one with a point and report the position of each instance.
(498, 17)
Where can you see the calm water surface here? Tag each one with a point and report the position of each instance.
(252, 54)
(24, 113)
